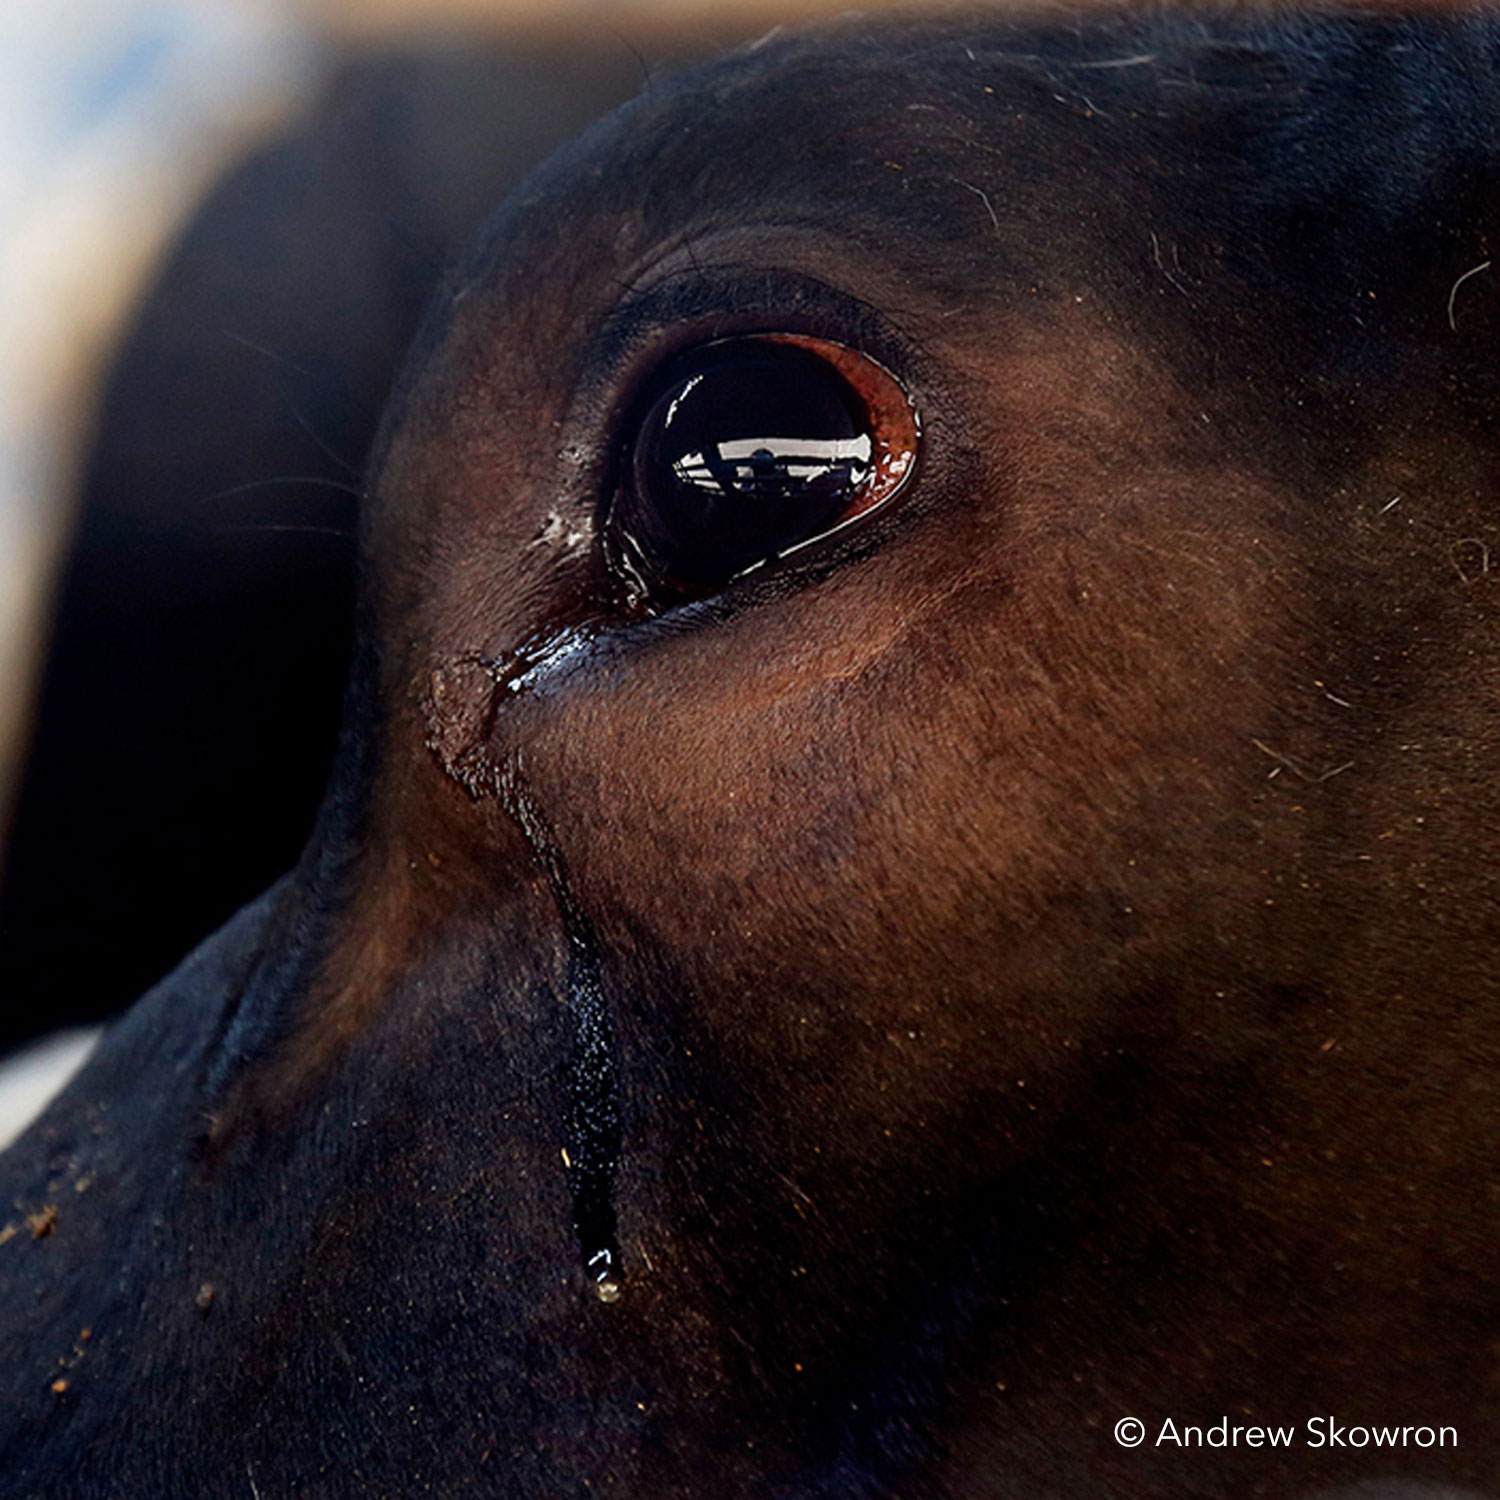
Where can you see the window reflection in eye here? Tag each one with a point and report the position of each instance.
(777, 466)
(745, 449)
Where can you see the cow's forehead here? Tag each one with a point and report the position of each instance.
(1198, 178)
(856, 124)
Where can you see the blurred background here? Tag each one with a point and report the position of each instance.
(219, 221)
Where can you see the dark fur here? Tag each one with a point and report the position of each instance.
(1044, 942)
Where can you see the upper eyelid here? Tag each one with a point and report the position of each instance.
(659, 319)
(712, 301)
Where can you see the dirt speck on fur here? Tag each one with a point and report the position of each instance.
(42, 1222)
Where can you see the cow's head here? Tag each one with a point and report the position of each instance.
(909, 875)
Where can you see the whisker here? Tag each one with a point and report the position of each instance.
(297, 417)
(344, 533)
(635, 52)
(261, 484)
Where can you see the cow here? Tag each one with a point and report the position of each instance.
(907, 904)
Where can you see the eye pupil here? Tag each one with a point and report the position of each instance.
(745, 449)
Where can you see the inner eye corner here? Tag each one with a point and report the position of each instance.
(748, 448)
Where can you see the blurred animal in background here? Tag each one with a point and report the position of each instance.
(204, 613)
(906, 881)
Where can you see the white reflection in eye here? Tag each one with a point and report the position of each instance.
(775, 465)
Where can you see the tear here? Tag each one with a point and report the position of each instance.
(591, 1149)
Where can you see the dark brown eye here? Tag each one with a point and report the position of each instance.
(744, 450)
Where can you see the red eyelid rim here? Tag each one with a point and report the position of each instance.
(895, 428)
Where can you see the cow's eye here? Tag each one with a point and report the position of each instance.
(746, 449)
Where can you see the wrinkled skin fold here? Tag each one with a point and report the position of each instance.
(1026, 963)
